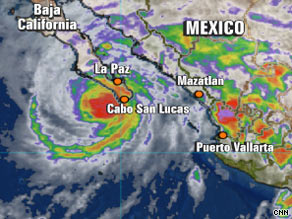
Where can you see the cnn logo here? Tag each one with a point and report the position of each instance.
(281, 212)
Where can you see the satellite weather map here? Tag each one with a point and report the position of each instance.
(138, 109)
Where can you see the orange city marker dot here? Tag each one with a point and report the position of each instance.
(124, 99)
(117, 81)
(198, 94)
(222, 135)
